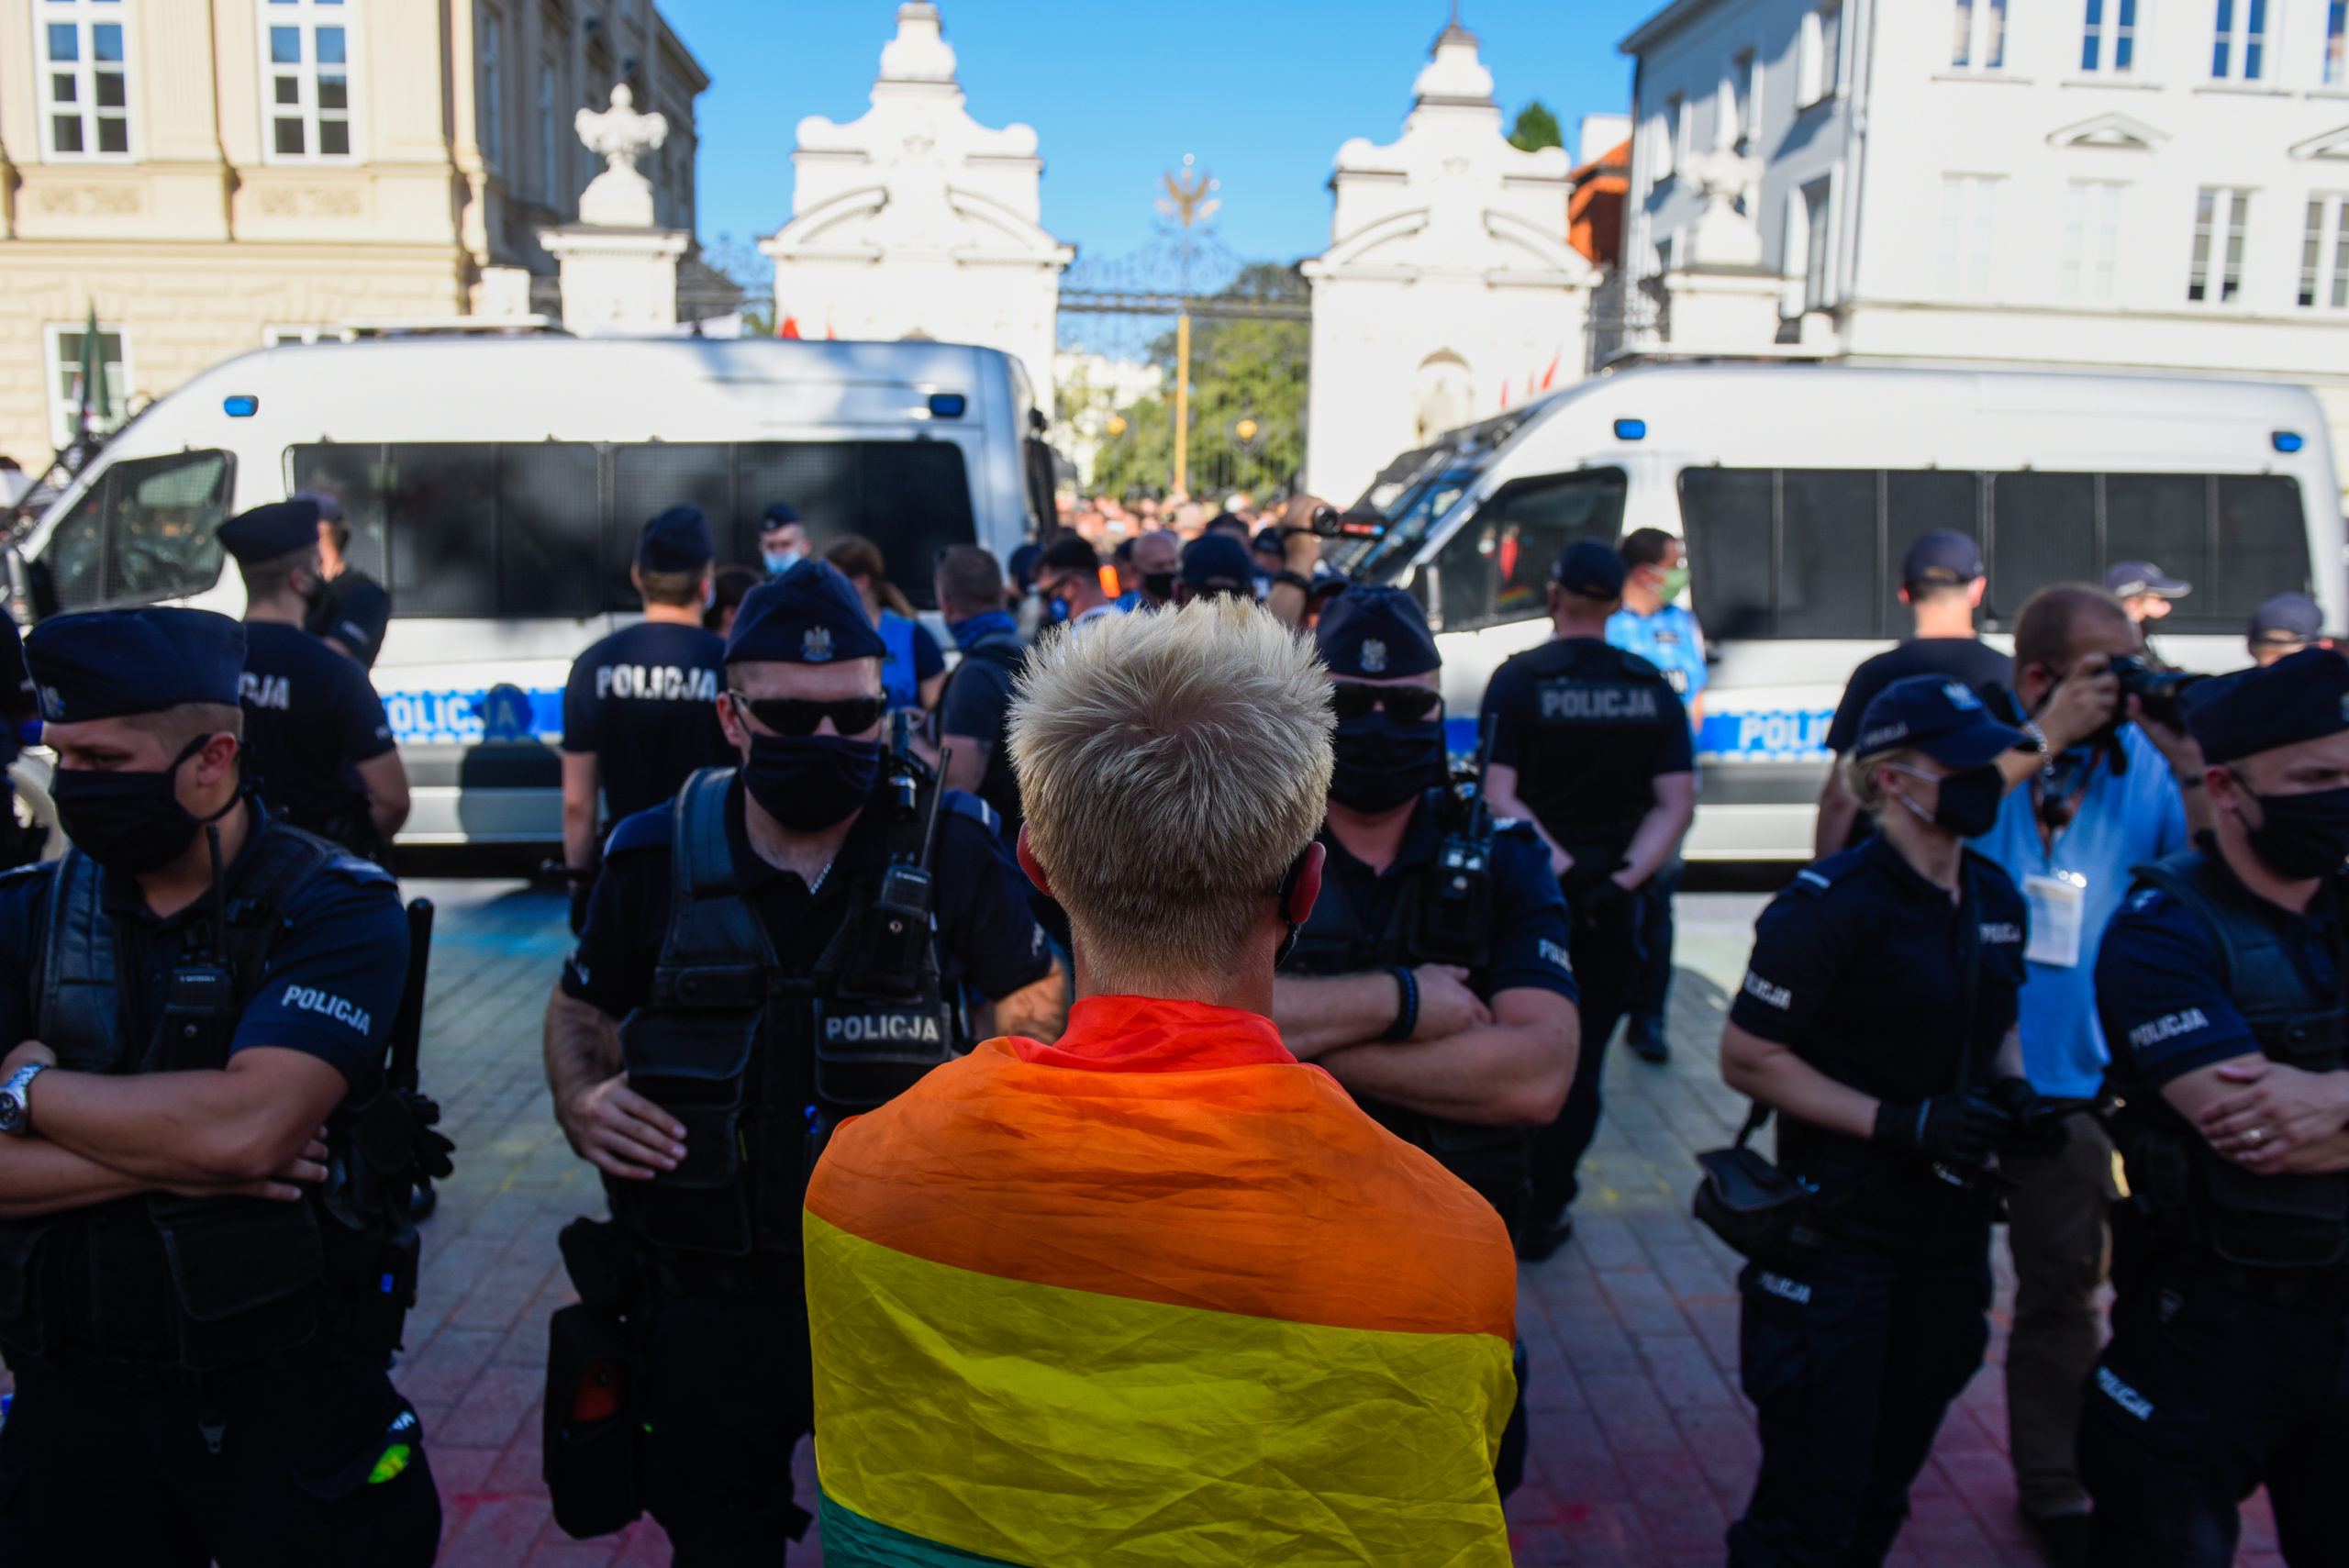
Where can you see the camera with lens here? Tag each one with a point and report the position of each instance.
(1327, 522)
(2159, 691)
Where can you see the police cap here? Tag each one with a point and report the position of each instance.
(106, 664)
(1939, 716)
(1216, 564)
(777, 516)
(1941, 556)
(267, 532)
(810, 615)
(2301, 697)
(2289, 619)
(1592, 570)
(1376, 632)
(2135, 579)
(1024, 564)
(676, 541)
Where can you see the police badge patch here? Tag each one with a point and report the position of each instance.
(815, 647)
(1373, 656)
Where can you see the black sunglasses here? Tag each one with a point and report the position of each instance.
(1412, 705)
(797, 716)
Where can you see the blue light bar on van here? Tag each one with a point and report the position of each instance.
(947, 405)
(243, 405)
(2287, 441)
(1631, 429)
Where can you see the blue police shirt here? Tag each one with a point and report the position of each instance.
(1529, 928)
(2157, 991)
(334, 979)
(310, 715)
(1669, 639)
(1855, 969)
(987, 937)
(645, 702)
(2124, 820)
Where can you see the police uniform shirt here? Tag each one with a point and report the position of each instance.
(1855, 969)
(986, 935)
(334, 979)
(2157, 990)
(354, 610)
(645, 702)
(1981, 667)
(1528, 928)
(1588, 728)
(1668, 639)
(310, 714)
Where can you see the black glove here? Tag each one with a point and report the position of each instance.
(1601, 904)
(581, 892)
(1958, 1131)
(2039, 1127)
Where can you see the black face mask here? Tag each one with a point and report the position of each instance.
(2301, 836)
(1158, 585)
(1969, 800)
(132, 823)
(1382, 762)
(809, 783)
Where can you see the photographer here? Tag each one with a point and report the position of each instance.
(1879, 1000)
(2126, 792)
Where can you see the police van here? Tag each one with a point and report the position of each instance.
(495, 487)
(1797, 489)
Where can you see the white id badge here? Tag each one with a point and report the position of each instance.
(2058, 910)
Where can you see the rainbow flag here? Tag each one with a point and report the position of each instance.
(1158, 1294)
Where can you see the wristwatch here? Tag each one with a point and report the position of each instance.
(15, 1110)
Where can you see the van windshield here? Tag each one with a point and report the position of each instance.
(547, 529)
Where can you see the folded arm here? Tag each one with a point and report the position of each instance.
(226, 1129)
(1037, 1011)
(1512, 1071)
(2265, 1116)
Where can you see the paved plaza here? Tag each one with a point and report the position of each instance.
(1642, 1447)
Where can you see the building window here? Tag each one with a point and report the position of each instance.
(2336, 20)
(2092, 238)
(1979, 42)
(1675, 123)
(2238, 53)
(85, 87)
(305, 51)
(2324, 271)
(1969, 234)
(65, 391)
(2108, 38)
(1745, 82)
(2221, 216)
(1814, 250)
(550, 145)
(493, 88)
(1820, 52)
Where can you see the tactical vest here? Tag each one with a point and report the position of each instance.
(201, 1285)
(1587, 696)
(2195, 1196)
(759, 1064)
(1443, 915)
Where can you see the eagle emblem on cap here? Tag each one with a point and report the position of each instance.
(55, 703)
(1373, 656)
(816, 646)
(1961, 696)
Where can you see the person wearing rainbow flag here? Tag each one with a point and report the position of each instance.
(1158, 1293)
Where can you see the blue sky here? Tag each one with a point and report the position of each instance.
(1262, 91)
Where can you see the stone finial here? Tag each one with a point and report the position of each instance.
(919, 52)
(1724, 236)
(620, 198)
(1453, 75)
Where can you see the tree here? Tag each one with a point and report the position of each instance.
(1536, 129)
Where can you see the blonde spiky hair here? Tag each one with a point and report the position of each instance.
(1206, 727)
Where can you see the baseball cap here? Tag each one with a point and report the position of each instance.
(1940, 716)
(2289, 618)
(1218, 563)
(1591, 570)
(2130, 579)
(1944, 555)
(676, 541)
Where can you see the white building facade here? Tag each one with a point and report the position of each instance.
(1448, 288)
(2155, 184)
(916, 221)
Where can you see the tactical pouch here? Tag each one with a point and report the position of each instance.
(378, 1303)
(867, 1053)
(695, 1066)
(592, 1441)
(1752, 1205)
(2279, 1221)
(241, 1269)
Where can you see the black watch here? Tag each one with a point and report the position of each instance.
(1296, 580)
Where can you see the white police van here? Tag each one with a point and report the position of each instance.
(1799, 487)
(495, 486)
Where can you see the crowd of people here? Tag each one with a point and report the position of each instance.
(987, 1066)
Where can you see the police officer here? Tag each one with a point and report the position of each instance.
(199, 1292)
(2218, 986)
(1875, 1017)
(318, 743)
(351, 611)
(1591, 745)
(777, 971)
(639, 711)
(783, 540)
